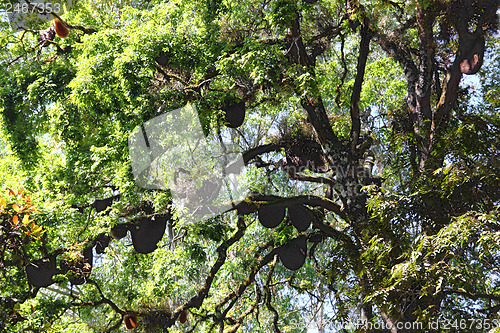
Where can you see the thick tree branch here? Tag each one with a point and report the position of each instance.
(448, 96)
(312, 179)
(252, 203)
(364, 49)
(319, 120)
(252, 153)
(344, 71)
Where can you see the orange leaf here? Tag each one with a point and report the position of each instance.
(15, 219)
(3, 203)
(16, 208)
(21, 193)
(11, 192)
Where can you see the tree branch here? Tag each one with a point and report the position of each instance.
(364, 49)
(197, 300)
(252, 153)
(268, 295)
(253, 202)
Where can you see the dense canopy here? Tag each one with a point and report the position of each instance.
(370, 131)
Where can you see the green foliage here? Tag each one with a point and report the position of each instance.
(24, 96)
(411, 242)
(283, 12)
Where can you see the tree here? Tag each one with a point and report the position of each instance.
(372, 163)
